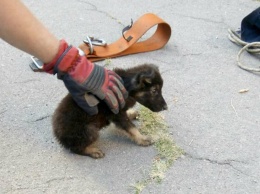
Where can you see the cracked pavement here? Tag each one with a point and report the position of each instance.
(217, 127)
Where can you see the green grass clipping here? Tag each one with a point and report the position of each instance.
(154, 125)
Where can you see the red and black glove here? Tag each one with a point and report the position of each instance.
(84, 80)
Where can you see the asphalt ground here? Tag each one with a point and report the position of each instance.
(217, 126)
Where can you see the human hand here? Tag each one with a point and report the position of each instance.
(83, 78)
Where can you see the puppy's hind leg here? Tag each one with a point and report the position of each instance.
(93, 152)
(90, 151)
(85, 143)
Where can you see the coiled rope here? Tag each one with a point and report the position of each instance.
(253, 48)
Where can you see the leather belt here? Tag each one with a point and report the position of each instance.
(124, 47)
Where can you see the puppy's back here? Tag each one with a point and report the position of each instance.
(66, 118)
(69, 120)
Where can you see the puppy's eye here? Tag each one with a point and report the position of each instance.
(154, 91)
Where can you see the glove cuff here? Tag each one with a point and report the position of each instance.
(48, 67)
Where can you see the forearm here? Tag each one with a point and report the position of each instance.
(21, 29)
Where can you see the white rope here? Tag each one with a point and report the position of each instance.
(253, 48)
(240, 64)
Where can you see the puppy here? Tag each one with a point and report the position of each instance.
(77, 131)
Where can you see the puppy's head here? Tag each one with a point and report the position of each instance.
(147, 88)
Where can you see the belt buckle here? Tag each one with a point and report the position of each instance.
(36, 64)
(90, 40)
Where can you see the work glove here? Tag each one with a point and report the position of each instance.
(87, 82)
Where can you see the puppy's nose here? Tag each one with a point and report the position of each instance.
(165, 107)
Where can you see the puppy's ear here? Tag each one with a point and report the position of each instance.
(155, 67)
(144, 78)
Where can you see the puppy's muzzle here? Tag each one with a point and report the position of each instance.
(165, 107)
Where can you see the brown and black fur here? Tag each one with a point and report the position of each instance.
(77, 131)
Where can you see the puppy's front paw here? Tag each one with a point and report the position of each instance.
(132, 114)
(145, 141)
(139, 138)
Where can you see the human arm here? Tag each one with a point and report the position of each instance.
(20, 28)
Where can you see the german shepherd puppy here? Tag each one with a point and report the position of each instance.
(77, 131)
